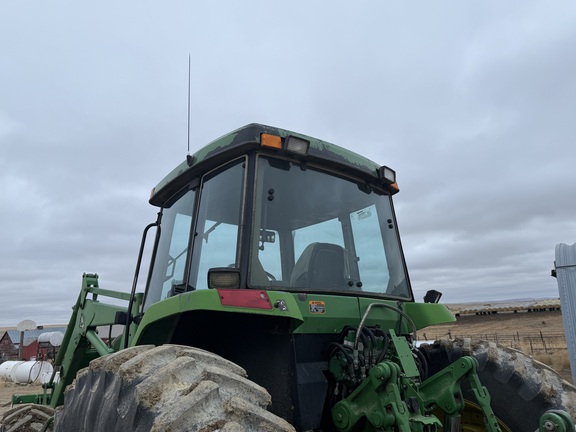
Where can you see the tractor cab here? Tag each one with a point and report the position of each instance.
(272, 248)
(263, 208)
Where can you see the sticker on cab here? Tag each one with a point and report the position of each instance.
(317, 307)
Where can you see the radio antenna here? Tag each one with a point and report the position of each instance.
(189, 103)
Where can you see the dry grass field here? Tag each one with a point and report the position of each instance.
(539, 334)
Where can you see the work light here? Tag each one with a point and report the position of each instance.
(297, 145)
(387, 174)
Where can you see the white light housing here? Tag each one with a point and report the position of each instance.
(297, 145)
(387, 174)
(223, 277)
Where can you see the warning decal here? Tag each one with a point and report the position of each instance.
(317, 307)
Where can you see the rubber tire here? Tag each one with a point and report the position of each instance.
(521, 388)
(26, 417)
(171, 387)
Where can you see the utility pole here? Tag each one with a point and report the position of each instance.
(22, 326)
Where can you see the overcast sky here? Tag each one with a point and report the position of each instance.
(473, 103)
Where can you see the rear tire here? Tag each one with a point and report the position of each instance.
(171, 387)
(521, 388)
(26, 418)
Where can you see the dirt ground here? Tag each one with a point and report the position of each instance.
(7, 389)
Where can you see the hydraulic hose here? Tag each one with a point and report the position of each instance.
(384, 305)
(384, 350)
(343, 349)
(423, 363)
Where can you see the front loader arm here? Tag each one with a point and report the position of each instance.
(81, 342)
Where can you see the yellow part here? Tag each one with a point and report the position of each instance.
(268, 140)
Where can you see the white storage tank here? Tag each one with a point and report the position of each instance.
(30, 371)
(7, 367)
(54, 338)
(47, 375)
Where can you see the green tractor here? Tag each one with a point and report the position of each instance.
(277, 299)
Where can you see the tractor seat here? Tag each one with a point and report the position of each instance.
(321, 266)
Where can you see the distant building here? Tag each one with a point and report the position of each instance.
(10, 343)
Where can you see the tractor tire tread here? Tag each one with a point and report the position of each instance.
(26, 418)
(170, 387)
(521, 388)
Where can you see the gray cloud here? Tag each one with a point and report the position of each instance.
(472, 104)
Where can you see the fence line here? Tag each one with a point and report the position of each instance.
(535, 343)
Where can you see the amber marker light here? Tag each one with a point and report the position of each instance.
(269, 140)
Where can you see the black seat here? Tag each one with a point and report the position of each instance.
(321, 265)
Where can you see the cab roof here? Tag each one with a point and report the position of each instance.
(250, 136)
